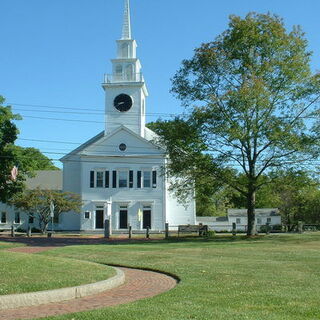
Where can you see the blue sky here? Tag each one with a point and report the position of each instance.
(54, 54)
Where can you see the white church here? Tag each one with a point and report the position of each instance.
(119, 172)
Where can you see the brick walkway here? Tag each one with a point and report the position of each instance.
(139, 285)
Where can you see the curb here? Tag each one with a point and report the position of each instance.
(13, 301)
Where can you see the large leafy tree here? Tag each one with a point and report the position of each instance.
(37, 203)
(32, 159)
(247, 94)
(8, 159)
(26, 159)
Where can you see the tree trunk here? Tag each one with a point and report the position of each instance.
(251, 205)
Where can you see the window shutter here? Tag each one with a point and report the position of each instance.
(107, 178)
(114, 179)
(91, 179)
(138, 179)
(130, 179)
(154, 179)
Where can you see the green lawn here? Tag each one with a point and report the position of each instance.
(21, 272)
(8, 245)
(274, 277)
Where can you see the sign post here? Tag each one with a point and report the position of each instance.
(52, 215)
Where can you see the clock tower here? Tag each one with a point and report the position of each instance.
(125, 88)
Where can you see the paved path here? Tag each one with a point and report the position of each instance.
(139, 284)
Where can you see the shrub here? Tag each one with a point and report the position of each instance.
(210, 234)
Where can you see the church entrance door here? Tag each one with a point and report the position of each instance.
(146, 219)
(99, 219)
(123, 221)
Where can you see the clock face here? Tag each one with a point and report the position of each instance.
(122, 102)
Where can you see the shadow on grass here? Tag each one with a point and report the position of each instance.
(61, 241)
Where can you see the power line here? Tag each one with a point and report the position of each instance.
(81, 143)
(59, 119)
(100, 110)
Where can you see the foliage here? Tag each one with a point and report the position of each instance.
(247, 95)
(210, 234)
(37, 202)
(32, 159)
(8, 135)
(26, 159)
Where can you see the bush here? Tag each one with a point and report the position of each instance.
(210, 234)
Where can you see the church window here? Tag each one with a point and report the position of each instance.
(125, 50)
(99, 179)
(3, 217)
(123, 179)
(122, 147)
(91, 179)
(107, 178)
(87, 215)
(130, 179)
(119, 69)
(154, 179)
(146, 179)
(114, 179)
(17, 217)
(138, 179)
(129, 72)
(31, 219)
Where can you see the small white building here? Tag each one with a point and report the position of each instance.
(264, 216)
(9, 215)
(119, 172)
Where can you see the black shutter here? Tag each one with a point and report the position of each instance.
(154, 179)
(91, 179)
(107, 179)
(130, 179)
(138, 179)
(114, 179)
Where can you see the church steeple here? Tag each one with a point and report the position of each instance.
(126, 28)
(125, 88)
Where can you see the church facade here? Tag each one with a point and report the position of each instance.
(119, 172)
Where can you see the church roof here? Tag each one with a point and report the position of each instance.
(84, 145)
(45, 179)
(99, 138)
(260, 212)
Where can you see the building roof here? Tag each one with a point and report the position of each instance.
(46, 179)
(265, 212)
(212, 219)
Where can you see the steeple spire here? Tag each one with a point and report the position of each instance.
(126, 28)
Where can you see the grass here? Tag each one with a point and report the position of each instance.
(27, 273)
(269, 278)
(8, 245)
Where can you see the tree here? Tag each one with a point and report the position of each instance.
(296, 194)
(37, 202)
(247, 95)
(8, 135)
(26, 159)
(32, 159)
